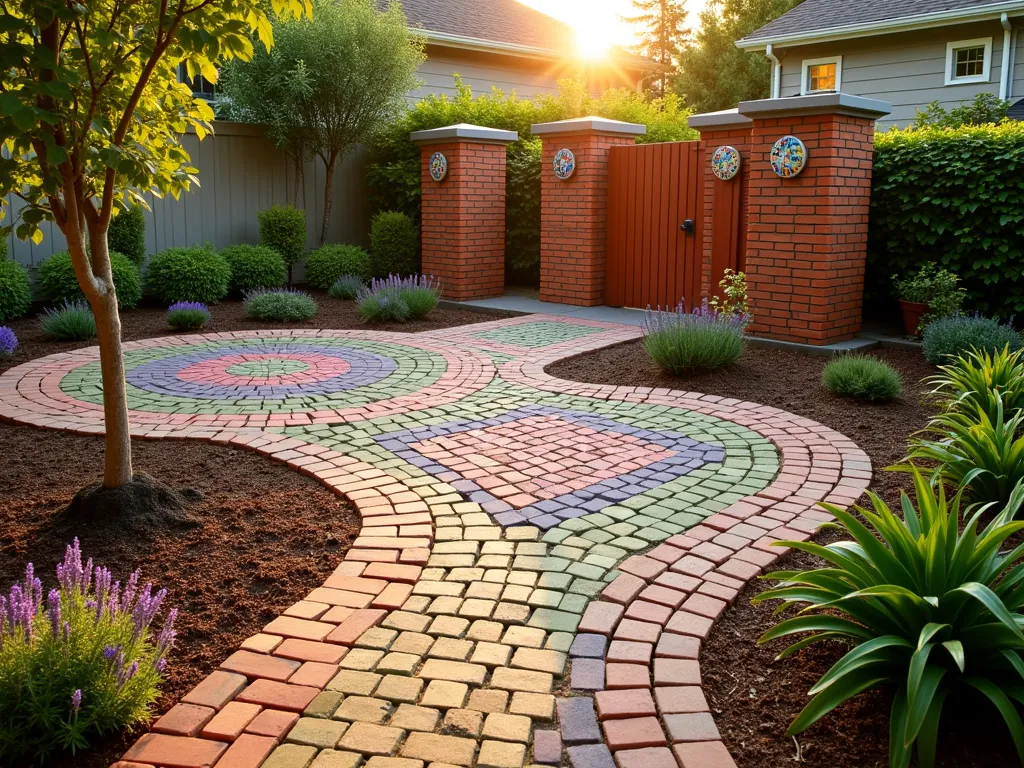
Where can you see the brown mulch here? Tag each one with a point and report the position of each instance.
(266, 535)
(753, 697)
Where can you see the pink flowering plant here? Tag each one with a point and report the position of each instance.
(81, 661)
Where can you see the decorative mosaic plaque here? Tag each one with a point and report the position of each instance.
(438, 166)
(564, 164)
(725, 163)
(789, 157)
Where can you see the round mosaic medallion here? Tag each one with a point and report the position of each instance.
(564, 164)
(725, 163)
(788, 157)
(438, 166)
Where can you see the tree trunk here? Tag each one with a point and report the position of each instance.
(328, 196)
(117, 464)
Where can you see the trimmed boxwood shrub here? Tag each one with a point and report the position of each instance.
(189, 274)
(15, 291)
(283, 228)
(58, 282)
(329, 262)
(394, 244)
(127, 234)
(954, 196)
(254, 266)
(953, 336)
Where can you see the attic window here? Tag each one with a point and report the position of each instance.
(821, 75)
(969, 61)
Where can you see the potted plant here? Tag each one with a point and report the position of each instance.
(927, 295)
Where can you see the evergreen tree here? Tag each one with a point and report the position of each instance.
(713, 73)
(663, 32)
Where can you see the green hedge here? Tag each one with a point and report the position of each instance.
(393, 173)
(127, 234)
(954, 196)
(59, 283)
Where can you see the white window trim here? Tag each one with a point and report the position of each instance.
(805, 66)
(986, 74)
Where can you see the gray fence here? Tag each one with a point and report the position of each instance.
(240, 173)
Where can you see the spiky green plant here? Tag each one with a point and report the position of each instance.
(974, 375)
(929, 610)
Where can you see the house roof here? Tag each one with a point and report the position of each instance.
(505, 25)
(821, 20)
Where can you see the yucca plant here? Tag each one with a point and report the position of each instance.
(975, 447)
(974, 375)
(928, 609)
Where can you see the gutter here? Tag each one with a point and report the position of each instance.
(990, 12)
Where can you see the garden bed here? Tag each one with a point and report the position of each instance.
(754, 698)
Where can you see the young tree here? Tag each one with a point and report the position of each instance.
(661, 36)
(353, 65)
(92, 113)
(713, 73)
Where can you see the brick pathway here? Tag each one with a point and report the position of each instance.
(539, 560)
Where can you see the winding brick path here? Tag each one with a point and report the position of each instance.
(539, 561)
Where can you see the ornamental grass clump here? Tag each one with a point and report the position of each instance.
(926, 609)
(346, 287)
(862, 377)
(706, 338)
(8, 341)
(79, 662)
(281, 305)
(71, 321)
(975, 375)
(188, 315)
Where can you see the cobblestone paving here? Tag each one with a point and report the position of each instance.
(539, 560)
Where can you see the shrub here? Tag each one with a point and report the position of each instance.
(71, 321)
(954, 196)
(419, 292)
(394, 244)
(346, 287)
(80, 662)
(862, 377)
(935, 287)
(282, 305)
(975, 376)
(986, 108)
(127, 234)
(952, 336)
(188, 315)
(15, 290)
(929, 610)
(734, 299)
(189, 274)
(283, 228)
(383, 306)
(58, 282)
(329, 262)
(8, 341)
(681, 341)
(254, 266)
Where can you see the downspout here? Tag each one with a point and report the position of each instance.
(1004, 73)
(776, 83)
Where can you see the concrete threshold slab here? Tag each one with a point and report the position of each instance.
(860, 344)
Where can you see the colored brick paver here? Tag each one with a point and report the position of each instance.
(513, 525)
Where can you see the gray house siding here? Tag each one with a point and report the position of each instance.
(905, 69)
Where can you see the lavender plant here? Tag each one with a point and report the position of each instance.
(188, 315)
(346, 287)
(82, 662)
(398, 299)
(71, 321)
(8, 341)
(282, 305)
(706, 338)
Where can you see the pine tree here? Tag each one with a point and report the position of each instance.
(663, 32)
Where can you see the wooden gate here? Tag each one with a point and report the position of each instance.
(655, 222)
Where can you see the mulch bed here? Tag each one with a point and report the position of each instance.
(266, 535)
(754, 698)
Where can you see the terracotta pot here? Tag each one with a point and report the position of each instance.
(912, 311)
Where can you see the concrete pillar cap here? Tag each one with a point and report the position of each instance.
(726, 118)
(463, 132)
(816, 104)
(592, 124)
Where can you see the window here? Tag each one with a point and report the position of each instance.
(821, 75)
(969, 61)
(200, 85)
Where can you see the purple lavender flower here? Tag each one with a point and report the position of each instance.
(53, 609)
(76, 700)
(8, 341)
(110, 652)
(194, 306)
(167, 635)
(160, 665)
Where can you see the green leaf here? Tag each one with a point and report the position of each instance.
(846, 688)
(1010, 716)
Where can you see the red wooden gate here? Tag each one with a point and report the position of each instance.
(655, 218)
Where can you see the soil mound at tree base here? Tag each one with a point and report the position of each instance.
(145, 506)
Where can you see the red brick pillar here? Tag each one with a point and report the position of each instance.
(462, 224)
(807, 235)
(725, 201)
(574, 211)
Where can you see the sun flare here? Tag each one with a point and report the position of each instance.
(594, 38)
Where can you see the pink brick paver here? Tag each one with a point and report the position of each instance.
(437, 561)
